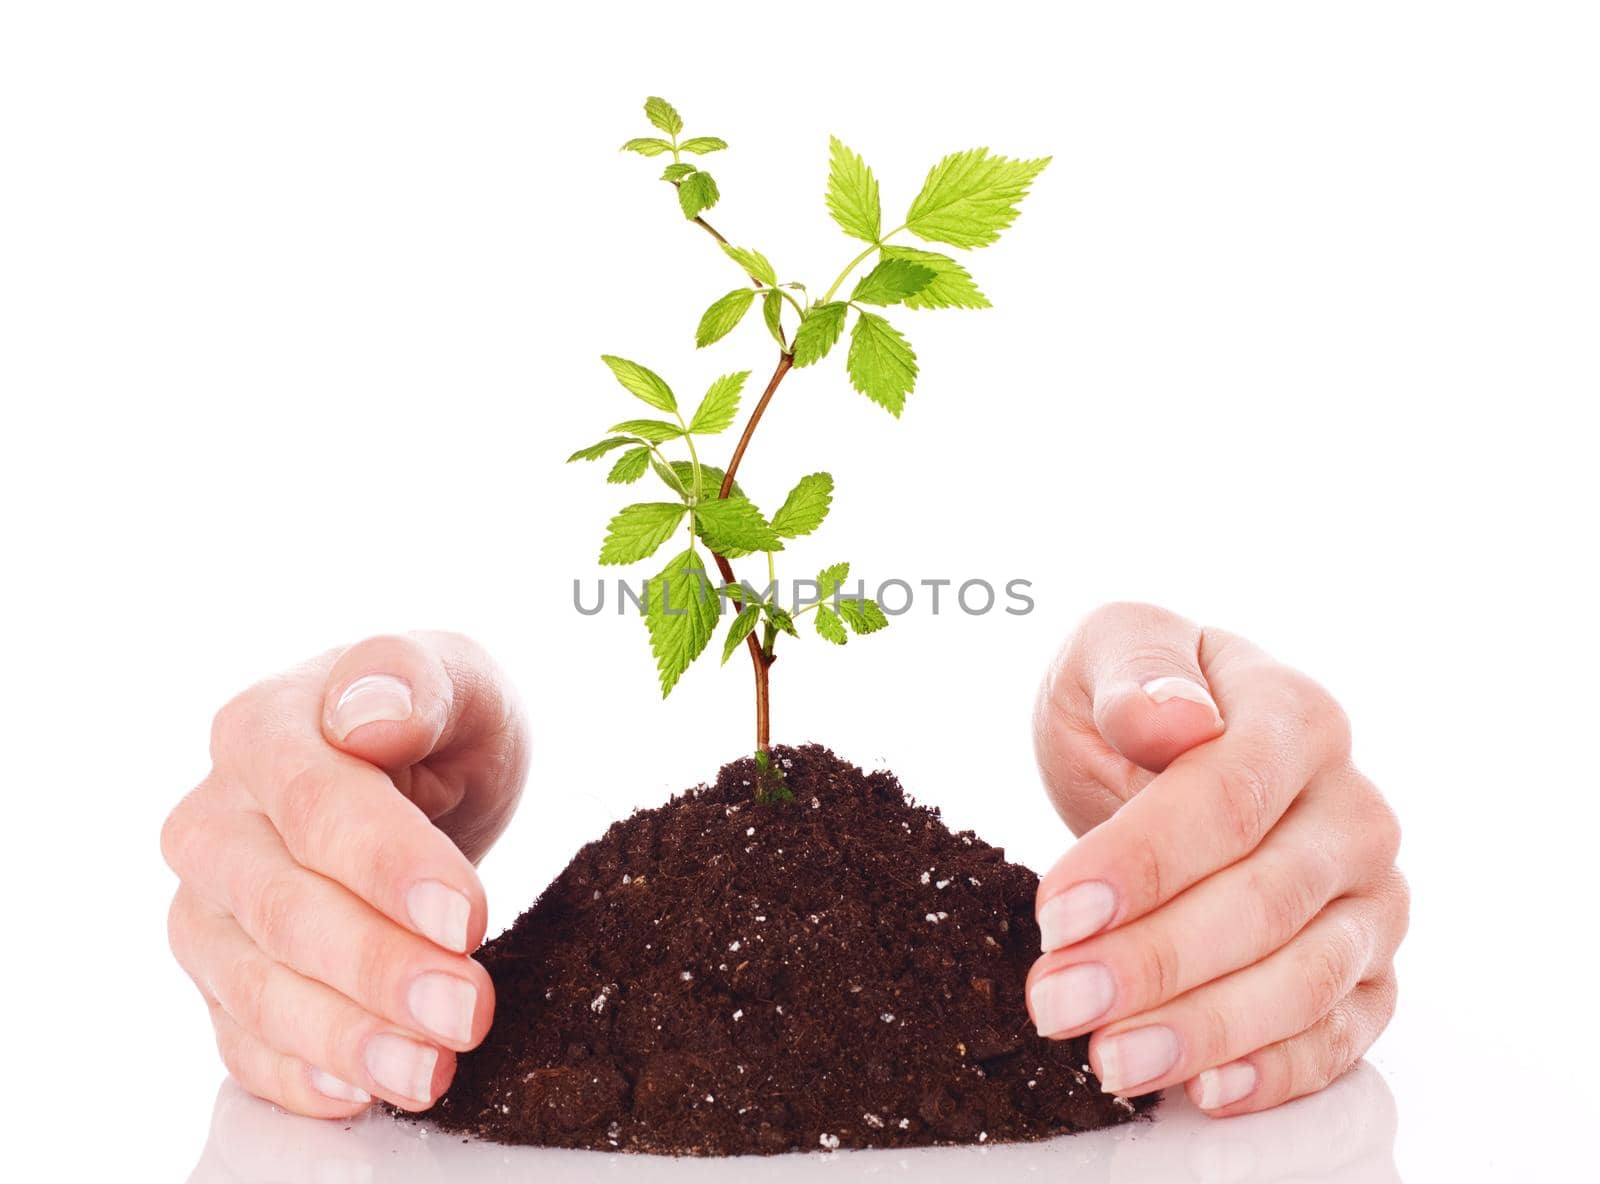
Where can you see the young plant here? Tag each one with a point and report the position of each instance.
(967, 199)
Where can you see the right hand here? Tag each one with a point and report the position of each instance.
(328, 901)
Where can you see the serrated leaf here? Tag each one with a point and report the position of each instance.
(818, 332)
(657, 431)
(717, 410)
(710, 479)
(805, 507)
(753, 262)
(740, 629)
(734, 525)
(596, 451)
(663, 115)
(829, 625)
(723, 315)
(641, 382)
(639, 530)
(669, 479)
(852, 193)
(780, 618)
(697, 192)
(677, 171)
(952, 286)
(830, 578)
(700, 145)
(881, 363)
(647, 146)
(630, 467)
(772, 314)
(681, 614)
(862, 614)
(970, 197)
(891, 282)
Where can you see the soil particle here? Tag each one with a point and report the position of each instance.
(717, 977)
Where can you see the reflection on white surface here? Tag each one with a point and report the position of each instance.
(1344, 1135)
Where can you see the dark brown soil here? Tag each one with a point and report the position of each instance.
(720, 977)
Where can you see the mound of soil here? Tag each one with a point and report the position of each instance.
(721, 977)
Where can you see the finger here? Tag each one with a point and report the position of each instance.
(319, 929)
(396, 701)
(281, 1080)
(1125, 696)
(354, 1053)
(1209, 808)
(1224, 1020)
(1301, 1064)
(1333, 839)
(344, 818)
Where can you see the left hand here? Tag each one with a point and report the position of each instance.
(1230, 918)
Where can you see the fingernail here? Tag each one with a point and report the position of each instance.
(1225, 1085)
(1162, 689)
(1075, 914)
(1071, 998)
(440, 914)
(402, 1067)
(371, 699)
(340, 1091)
(1133, 1058)
(443, 1004)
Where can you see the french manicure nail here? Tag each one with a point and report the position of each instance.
(1076, 913)
(443, 1004)
(371, 699)
(340, 1091)
(402, 1067)
(1133, 1058)
(1072, 997)
(1162, 689)
(1225, 1085)
(440, 914)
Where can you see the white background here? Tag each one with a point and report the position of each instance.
(300, 309)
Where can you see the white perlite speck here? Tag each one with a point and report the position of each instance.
(887, 1017)
(926, 877)
(733, 947)
(687, 976)
(738, 1015)
(942, 884)
(831, 1142)
(935, 918)
(983, 1136)
(905, 1124)
(873, 1121)
(598, 1003)
(749, 830)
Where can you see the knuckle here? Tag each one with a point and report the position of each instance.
(1214, 1031)
(274, 911)
(374, 959)
(1284, 902)
(176, 832)
(1244, 797)
(248, 989)
(1339, 1049)
(306, 808)
(1156, 964)
(1322, 981)
(235, 718)
(1319, 713)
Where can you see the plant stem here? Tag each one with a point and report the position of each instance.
(785, 362)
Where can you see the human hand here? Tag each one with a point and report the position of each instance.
(1230, 918)
(328, 901)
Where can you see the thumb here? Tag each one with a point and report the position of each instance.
(388, 701)
(1152, 702)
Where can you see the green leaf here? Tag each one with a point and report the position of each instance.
(754, 263)
(677, 172)
(669, 478)
(805, 507)
(639, 530)
(696, 192)
(596, 451)
(881, 363)
(952, 286)
(733, 524)
(780, 619)
(829, 627)
(818, 332)
(663, 115)
(862, 614)
(647, 146)
(630, 467)
(642, 383)
(970, 197)
(829, 580)
(891, 282)
(710, 479)
(717, 410)
(719, 320)
(740, 629)
(852, 193)
(657, 431)
(772, 313)
(700, 145)
(681, 614)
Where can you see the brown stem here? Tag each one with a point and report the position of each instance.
(785, 363)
